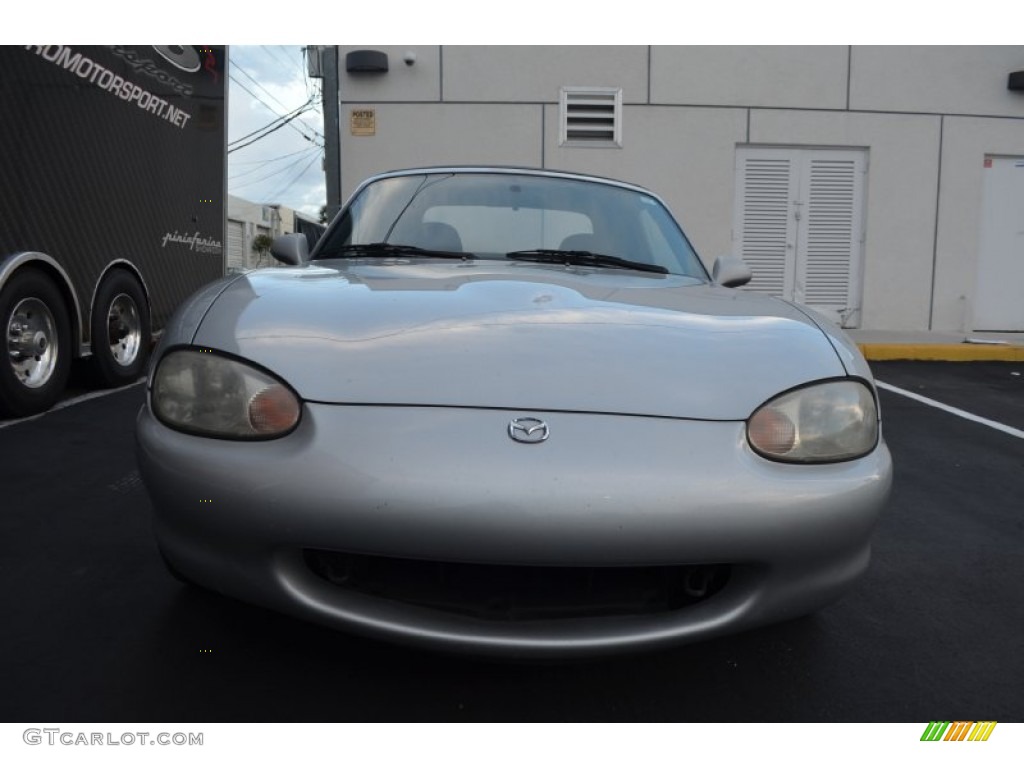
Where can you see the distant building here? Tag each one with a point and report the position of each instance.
(883, 186)
(246, 221)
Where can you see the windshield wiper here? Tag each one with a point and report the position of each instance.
(583, 258)
(391, 249)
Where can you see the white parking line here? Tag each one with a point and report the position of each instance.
(950, 409)
(72, 401)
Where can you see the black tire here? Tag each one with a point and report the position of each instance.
(120, 330)
(36, 354)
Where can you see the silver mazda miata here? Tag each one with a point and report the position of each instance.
(507, 411)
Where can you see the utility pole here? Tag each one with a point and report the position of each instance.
(328, 70)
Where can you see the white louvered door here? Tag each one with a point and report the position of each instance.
(764, 225)
(798, 223)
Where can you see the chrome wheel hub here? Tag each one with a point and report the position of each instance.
(32, 342)
(124, 330)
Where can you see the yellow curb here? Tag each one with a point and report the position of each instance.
(949, 352)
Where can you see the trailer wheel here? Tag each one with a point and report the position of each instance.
(120, 330)
(37, 336)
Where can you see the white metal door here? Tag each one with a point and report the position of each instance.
(798, 223)
(236, 245)
(999, 296)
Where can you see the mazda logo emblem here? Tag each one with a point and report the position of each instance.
(528, 430)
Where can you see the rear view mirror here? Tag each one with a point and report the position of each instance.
(731, 272)
(290, 249)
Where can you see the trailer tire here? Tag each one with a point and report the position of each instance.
(120, 330)
(37, 344)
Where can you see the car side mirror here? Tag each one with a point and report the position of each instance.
(290, 249)
(731, 272)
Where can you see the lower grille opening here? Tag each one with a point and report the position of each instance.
(518, 593)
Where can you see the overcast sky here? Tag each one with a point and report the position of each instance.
(284, 165)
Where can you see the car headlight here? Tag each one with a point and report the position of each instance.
(206, 393)
(825, 422)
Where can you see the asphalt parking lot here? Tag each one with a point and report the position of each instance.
(95, 630)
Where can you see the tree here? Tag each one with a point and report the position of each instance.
(261, 247)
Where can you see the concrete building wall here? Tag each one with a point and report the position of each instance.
(809, 77)
(954, 80)
(534, 74)
(926, 116)
(440, 133)
(255, 219)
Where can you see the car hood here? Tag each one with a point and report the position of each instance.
(517, 335)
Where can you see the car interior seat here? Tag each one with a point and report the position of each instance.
(438, 236)
(580, 242)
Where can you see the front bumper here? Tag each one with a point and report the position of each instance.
(448, 485)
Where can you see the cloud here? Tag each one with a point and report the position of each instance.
(280, 163)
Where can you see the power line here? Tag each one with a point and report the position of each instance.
(274, 56)
(272, 174)
(281, 117)
(297, 111)
(271, 109)
(299, 176)
(289, 55)
(267, 166)
(238, 68)
(265, 161)
(269, 130)
(267, 133)
(258, 98)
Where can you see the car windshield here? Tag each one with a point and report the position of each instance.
(512, 216)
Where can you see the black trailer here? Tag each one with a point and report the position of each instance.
(112, 190)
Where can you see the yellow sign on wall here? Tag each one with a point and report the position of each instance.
(363, 122)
